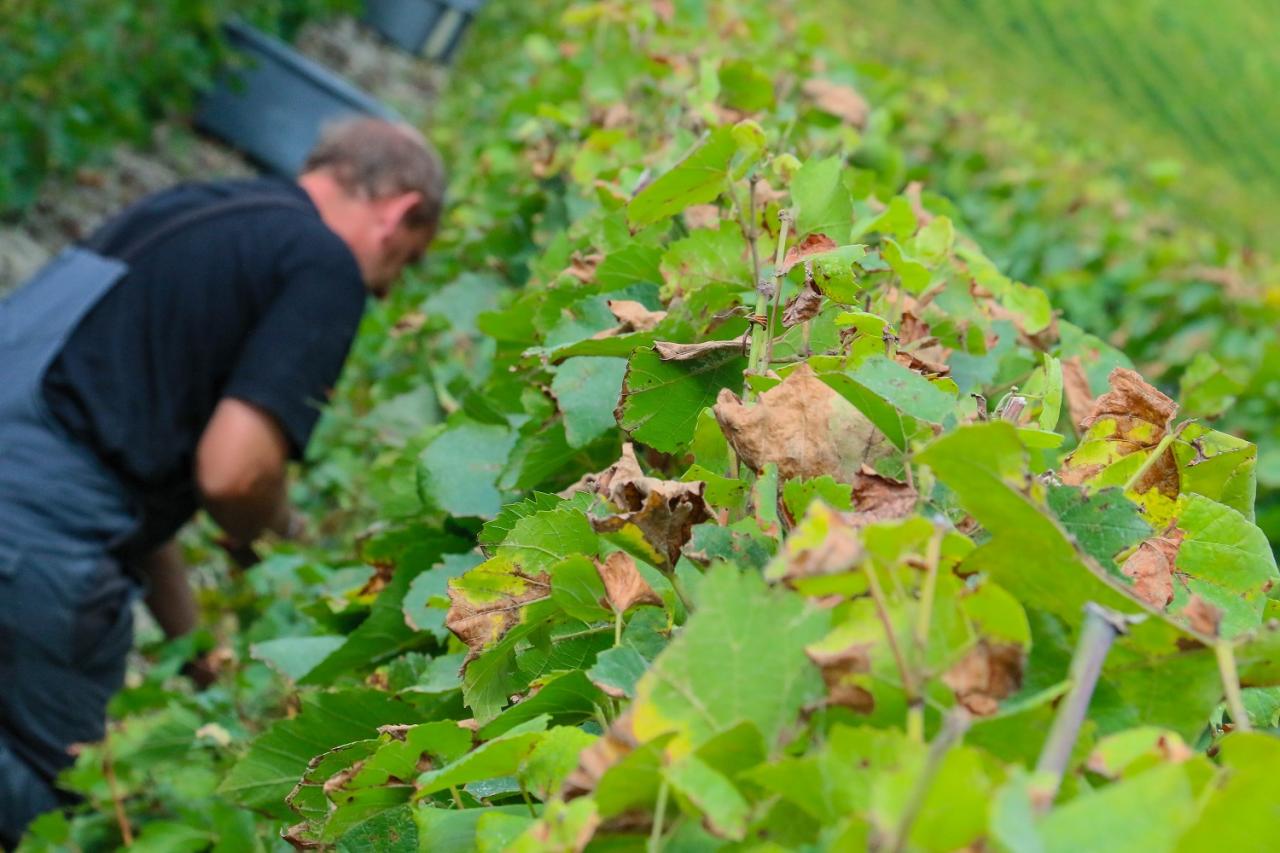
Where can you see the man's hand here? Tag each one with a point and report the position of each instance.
(169, 595)
(240, 471)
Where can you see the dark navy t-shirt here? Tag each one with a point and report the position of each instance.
(258, 303)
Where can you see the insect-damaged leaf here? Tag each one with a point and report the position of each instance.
(741, 657)
(803, 426)
(661, 399)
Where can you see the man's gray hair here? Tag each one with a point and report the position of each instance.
(375, 158)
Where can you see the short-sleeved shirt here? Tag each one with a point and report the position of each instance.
(257, 303)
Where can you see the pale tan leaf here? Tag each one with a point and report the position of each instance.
(839, 100)
(702, 216)
(805, 305)
(624, 586)
(669, 351)
(1075, 386)
(803, 426)
(838, 668)
(1202, 616)
(880, 498)
(1151, 568)
(988, 673)
(634, 316)
(814, 244)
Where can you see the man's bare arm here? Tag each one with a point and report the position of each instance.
(169, 597)
(240, 471)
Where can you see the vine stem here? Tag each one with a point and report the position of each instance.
(759, 334)
(774, 320)
(617, 629)
(1151, 460)
(954, 726)
(915, 706)
(932, 558)
(1231, 685)
(1101, 627)
(659, 817)
(117, 801)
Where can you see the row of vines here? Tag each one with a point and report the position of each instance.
(767, 512)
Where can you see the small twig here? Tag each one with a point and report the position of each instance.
(933, 556)
(915, 708)
(659, 817)
(954, 726)
(1231, 685)
(784, 220)
(457, 797)
(528, 801)
(617, 629)
(1101, 627)
(117, 800)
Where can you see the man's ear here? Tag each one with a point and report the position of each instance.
(394, 208)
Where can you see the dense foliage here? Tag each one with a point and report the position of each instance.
(762, 514)
(79, 76)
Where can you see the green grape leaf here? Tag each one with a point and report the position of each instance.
(661, 400)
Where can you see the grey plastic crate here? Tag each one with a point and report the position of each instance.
(432, 28)
(274, 106)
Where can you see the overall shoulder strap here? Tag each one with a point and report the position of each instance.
(200, 214)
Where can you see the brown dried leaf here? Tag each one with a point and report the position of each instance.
(840, 100)
(802, 425)
(1202, 616)
(481, 624)
(665, 511)
(702, 216)
(1142, 415)
(988, 673)
(1151, 568)
(839, 551)
(880, 498)
(624, 586)
(634, 317)
(409, 323)
(836, 668)
(814, 244)
(1075, 385)
(1133, 402)
(583, 267)
(912, 192)
(805, 305)
(668, 351)
(615, 744)
(765, 194)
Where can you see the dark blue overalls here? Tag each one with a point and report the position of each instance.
(65, 599)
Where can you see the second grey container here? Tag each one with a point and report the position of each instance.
(274, 107)
(433, 28)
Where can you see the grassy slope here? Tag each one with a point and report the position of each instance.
(1158, 82)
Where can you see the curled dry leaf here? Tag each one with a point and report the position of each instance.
(664, 511)
(840, 550)
(1075, 386)
(668, 351)
(805, 305)
(880, 498)
(634, 317)
(583, 267)
(814, 244)
(988, 673)
(1151, 568)
(837, 669)
(624, 586)
(1133, 416)
(484, 622)
(912, 192)
(803, 426)
(839, 100)
(1202, 616)
(618, 741)
(702, 216)
(918, 349)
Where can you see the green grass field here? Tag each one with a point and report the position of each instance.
(1158, 79)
